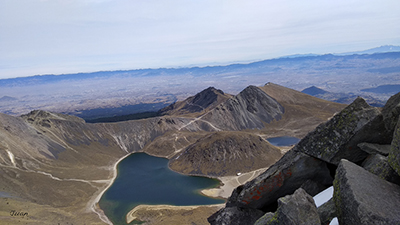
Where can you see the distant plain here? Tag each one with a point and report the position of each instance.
(115, 93)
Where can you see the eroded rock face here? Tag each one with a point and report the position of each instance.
(338, 138)
(363, 198)
(281, 179)
(296, 209)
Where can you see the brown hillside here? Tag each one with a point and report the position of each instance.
(302, 112)
(225, 153)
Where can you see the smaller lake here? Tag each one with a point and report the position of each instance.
(145, 179)
(283, 141)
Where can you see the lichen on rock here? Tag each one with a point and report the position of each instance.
(296, 209)
(394, 155)
(363, 198)
(334, 139)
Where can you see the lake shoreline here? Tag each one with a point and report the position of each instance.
(94, 203)
(140, 160)
(223, 191)
(131, 216)
(228, 184)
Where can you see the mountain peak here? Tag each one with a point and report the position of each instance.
(202, 101)
(313, 91)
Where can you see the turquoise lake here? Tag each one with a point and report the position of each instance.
(145, 179)
(283, 141)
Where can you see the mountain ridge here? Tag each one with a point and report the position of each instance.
(57, 166)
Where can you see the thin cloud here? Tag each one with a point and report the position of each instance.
(62, 36)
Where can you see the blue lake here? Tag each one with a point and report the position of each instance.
(283, 141)
(145, 179)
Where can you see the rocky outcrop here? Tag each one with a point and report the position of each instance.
(281, 179)
(296, 209)
(394, 155)
(250, 109)
(359, 133)
(364, 198)
(235, 216)
(338, 138)
(225, 153)
(391, 113)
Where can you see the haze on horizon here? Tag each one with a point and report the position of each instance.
(69, 36)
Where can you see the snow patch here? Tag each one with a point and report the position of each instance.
(12, 159)
(323, 196)
(334, 221)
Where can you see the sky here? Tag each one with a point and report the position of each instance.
(68, 36)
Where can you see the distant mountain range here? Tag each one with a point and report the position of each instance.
(347, 98)
(39, 79)
(381, 49)
(115, 93)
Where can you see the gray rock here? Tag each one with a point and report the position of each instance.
(391, 112)
(379, 165)
(264, 219)
(374, 148)
(327, 212)
(281, 179)
(235, 216)
(363, 198)
(394, 155)
(338, 138)
(296, 209)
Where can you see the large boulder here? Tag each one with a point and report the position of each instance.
(374, 148)
(338, 138)
(391, 112)
(394, 155)
(296, 209)
(363, 198)
(379, 165)
(281, 179)
(235, 216)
